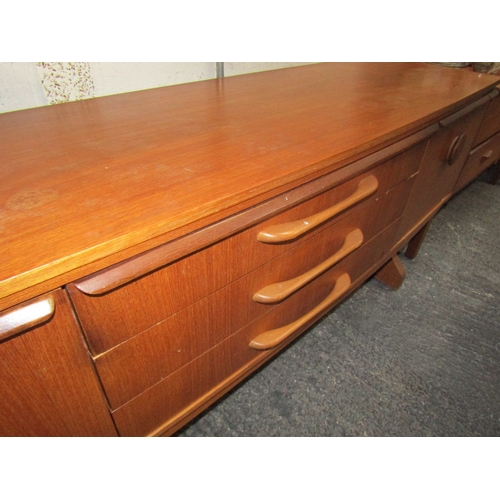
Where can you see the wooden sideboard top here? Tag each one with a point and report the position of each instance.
(87, 183)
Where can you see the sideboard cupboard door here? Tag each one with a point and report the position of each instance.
(491, 121)
(441, 166)
(480, 159)
(48, 386)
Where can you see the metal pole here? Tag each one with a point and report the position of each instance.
(219, 69)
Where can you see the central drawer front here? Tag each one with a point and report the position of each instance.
(113, 317)
(154, 354)
(203, 377)
(334, 243)
(247, 252)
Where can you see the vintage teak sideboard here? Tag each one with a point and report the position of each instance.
(158, 246)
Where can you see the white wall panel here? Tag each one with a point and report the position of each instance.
(115, 78)
(239, 68)
(20, 86)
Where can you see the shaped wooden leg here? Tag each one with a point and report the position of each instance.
(392, 274)
(416, 242)
(495, 174)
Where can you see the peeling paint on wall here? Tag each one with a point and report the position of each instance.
(66, 81)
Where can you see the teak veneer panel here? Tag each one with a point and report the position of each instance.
(438, 173)
(90, 179)
(491, 121)
(389, 174)
(146, 301)
(371, 220)
(146, 262)
(135, 365)
(144, 360)
(47, 382)
(480, 158)
(152, 298)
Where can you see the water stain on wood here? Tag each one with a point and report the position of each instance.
(29, 200)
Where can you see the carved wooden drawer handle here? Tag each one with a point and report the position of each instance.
(272, 338)
(26, 316)
(456, 148)
(291, 230)
(279, 291)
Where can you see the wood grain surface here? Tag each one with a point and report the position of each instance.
(152, 298)
(479, 160)
(85, 180)
(136, 364)
(48, 385)
(491, 122)
(212, 372)
(440, 170)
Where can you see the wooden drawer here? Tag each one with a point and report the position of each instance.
(480, 158)
(142, 361)
(114, 317)
(210, 374)
(491, 122)
(334, 245)
(135, 365)
(387, 175)
(150, 299)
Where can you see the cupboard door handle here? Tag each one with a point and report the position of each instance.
(272, 338)
(291, 230)
(456, 148)
(488, 154)
(279, 291)
(26, 316)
